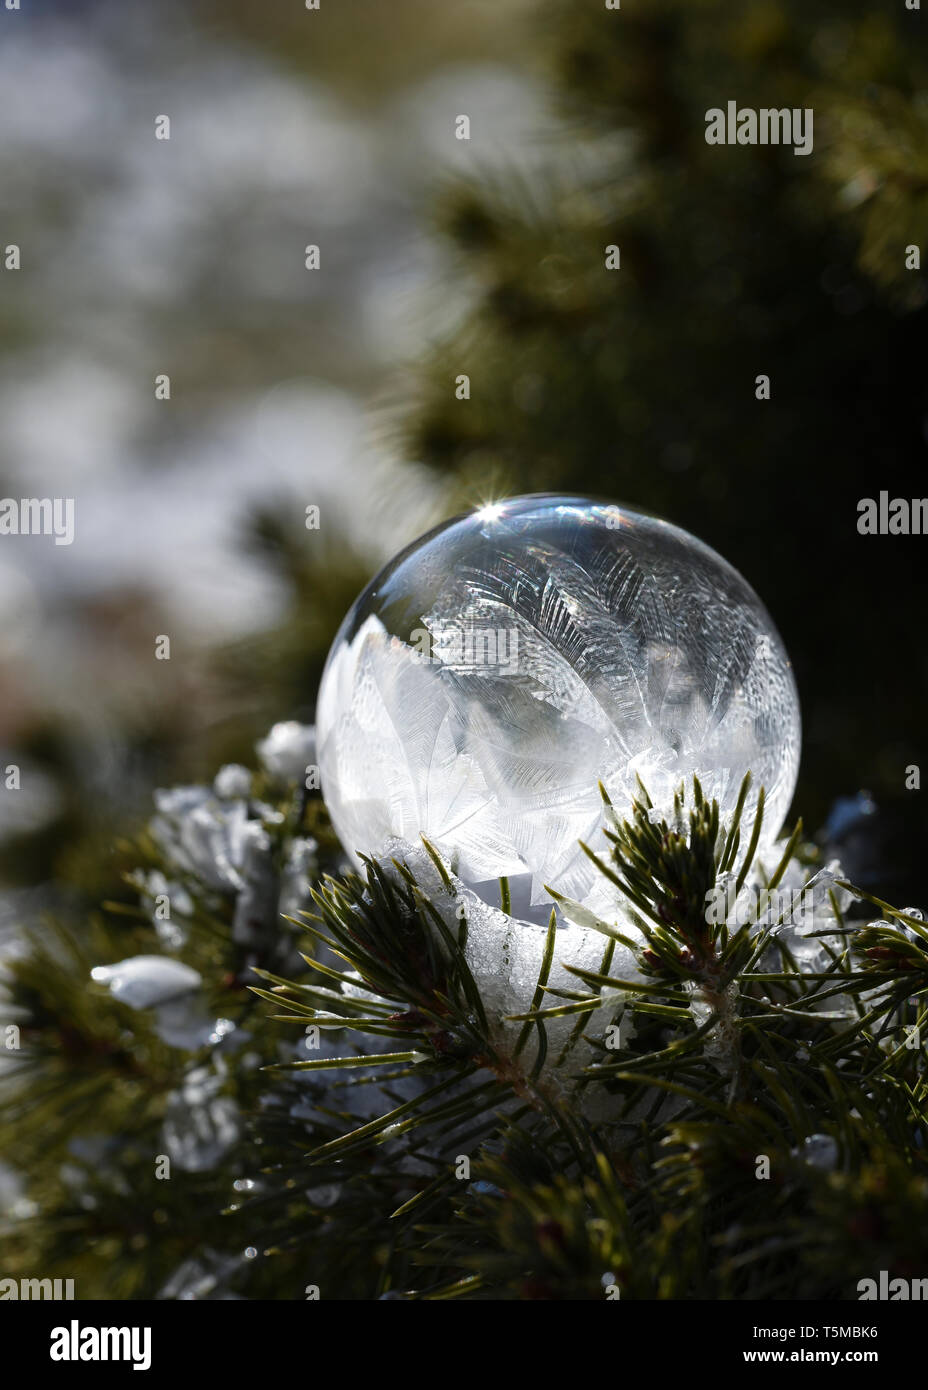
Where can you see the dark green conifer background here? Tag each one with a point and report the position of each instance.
(636, 385)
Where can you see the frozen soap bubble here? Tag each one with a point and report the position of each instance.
(504, 663)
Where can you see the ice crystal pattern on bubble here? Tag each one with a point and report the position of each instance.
(497, 669)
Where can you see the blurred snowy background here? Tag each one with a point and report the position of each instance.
(186, 257)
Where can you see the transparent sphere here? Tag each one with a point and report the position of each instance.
(501, 666)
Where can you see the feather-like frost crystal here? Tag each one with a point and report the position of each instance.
(501, 666)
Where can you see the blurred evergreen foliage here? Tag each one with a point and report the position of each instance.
(639, 384)
(757, 1132)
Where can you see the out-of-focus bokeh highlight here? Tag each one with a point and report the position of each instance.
(187, 257)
